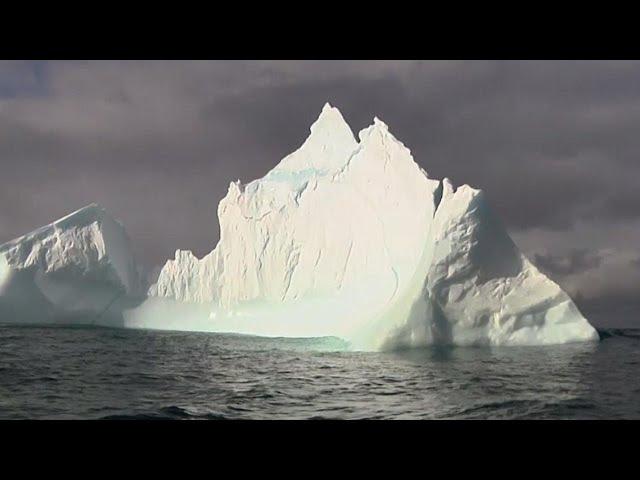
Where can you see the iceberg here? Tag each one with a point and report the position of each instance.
(79, 269)
(345, 238)
(351, 238)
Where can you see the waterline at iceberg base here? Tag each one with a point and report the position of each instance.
(345, 237)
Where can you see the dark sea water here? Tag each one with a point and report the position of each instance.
(93, 373)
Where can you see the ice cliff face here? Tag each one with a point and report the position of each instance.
(77, 266)
(352, 238)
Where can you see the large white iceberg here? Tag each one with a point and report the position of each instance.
(353, 239)
(342, 238)
(78, 269)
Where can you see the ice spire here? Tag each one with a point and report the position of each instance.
(330, 122)
(326, 149)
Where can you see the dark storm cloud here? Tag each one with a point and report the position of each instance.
(613, 309)
(157, 143)
(576, 261)
(23, 79)
(623, 203)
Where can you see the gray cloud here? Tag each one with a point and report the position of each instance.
(618, 310)
(577, 261)
(604, 283)
(554, 144)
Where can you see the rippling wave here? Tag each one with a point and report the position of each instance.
(98, 373)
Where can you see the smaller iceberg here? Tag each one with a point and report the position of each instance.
(79, 269)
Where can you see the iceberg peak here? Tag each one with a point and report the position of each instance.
(82, 217)
(380, 124)
(84, 243)
(87, 214)
(330, 123)
(330, 142)
(378, 129)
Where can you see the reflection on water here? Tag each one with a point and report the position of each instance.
(103, 373)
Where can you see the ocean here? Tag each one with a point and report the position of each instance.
(100, 373)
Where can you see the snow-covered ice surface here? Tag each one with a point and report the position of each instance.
(77, 269)
(351, 238)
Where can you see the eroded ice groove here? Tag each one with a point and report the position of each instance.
(78, 269)
(351, 238)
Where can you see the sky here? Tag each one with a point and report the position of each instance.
(554, 144)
